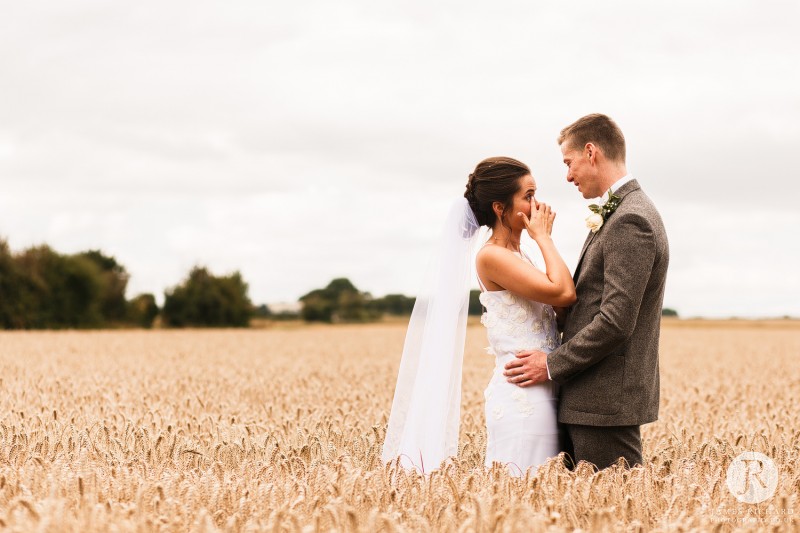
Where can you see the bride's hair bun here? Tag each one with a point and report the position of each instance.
(495, 179)
(469, 194)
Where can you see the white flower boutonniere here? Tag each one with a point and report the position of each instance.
(600, 213)
(594, 222)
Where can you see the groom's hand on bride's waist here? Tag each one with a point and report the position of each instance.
(529, 368)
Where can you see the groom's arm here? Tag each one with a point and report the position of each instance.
(628, 257)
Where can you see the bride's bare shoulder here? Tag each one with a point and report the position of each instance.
(492, 254)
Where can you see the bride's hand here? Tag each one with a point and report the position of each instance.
(540, 224)
(550, 219)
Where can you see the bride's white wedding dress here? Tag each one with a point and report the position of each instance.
(423, 426)
(520, 422)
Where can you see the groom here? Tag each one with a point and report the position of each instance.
(607, 365)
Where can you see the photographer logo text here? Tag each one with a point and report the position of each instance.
(752, 477)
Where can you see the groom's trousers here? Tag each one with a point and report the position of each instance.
(601, 445)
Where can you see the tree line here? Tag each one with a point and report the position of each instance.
(341, 301)
(43, 289)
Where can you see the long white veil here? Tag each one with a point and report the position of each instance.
(426, 411)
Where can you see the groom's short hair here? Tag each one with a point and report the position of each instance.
(598, 129)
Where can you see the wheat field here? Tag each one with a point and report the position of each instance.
(280, 430)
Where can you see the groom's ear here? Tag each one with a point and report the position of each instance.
(590, 151)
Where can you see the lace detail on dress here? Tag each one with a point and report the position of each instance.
(530, 324)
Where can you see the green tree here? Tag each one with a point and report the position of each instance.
(59, 291)
(353, 307)
(317, 307)
(41, 288)
(207, 300)
(142, 310)
(393, 304)
(13, 308)
(666, 311)
(262, 311)
(475, 306)
(340, 301)
(114, 281)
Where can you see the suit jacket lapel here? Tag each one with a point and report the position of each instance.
(586, 244)
(621, 192)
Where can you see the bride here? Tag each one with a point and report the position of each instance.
(519, 300)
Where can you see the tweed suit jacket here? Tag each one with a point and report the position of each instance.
(607, 365)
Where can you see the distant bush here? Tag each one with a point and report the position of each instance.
(142, 310)
(475, 305)
(262, 311)
(666, 311)
(285, 316)
(209, 301)
(340, 301)
(393, 304)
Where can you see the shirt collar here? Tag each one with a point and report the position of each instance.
(620, 182)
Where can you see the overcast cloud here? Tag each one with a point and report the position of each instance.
(301, 141)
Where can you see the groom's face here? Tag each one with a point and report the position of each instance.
(580, 170)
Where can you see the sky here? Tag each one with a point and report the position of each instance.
(301, 141)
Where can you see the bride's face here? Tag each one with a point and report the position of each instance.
(522, 202)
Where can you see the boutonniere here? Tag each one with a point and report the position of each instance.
(600, 213)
